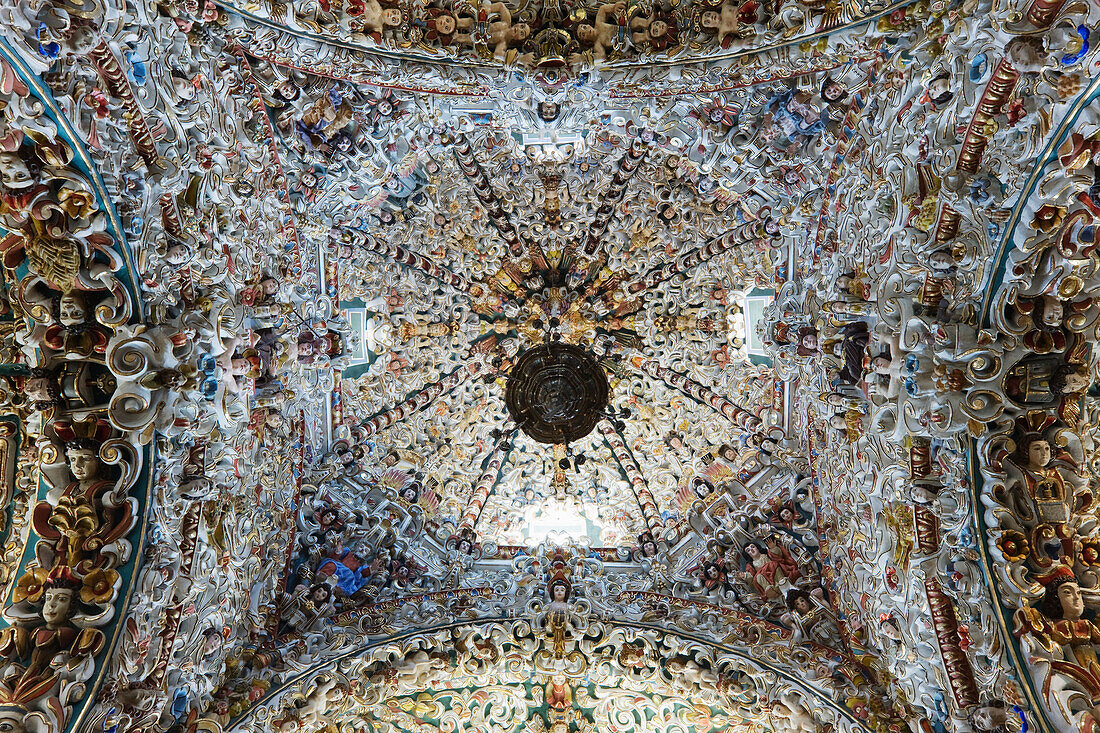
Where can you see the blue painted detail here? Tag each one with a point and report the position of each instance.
(978, 67)
(1070, 59)
(136, 72)
(49, 50)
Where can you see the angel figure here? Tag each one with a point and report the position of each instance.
(560, 618)
(728, 19)
(464, 550)
(814, 620)
(373, 19)
(899, 518)
(54, 614)
(608, 34)
(559, 695)
(557, 614)
(656, 31)
(489, 29)
(1045, 484)
(769, 567)
(75, 333)
(713, 577)
(789, 119)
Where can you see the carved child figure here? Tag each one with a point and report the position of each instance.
(56, 647)
(75, 334)
(610, 32)
(492, 28)
(727, 20)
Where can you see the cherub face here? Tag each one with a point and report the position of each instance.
(1039, 453)
(391, 17)
(802, 605)
(753, 551)
(559, 593)
(657, 29)
(989, 717)
(938, 87)
(287, 89)
(923, 495)
(586, 33)
(270, 286)
(1075, 382)
(520, 31)
(1069, 594)
(14, 172)
(38, 389)
(83, 463)
(177, 254)
(56, 605)
(710, 19)
(941, 260)
(1053, 312)
(211, 643)
(71, 310)
(445, 25)
(890, 629)
(810, 341)
(833, 91)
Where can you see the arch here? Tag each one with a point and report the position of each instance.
(262, 711)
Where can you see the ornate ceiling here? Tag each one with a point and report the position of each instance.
(549, 367)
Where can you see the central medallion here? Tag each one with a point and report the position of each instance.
(556, 392)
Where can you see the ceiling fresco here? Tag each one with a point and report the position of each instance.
(549, 367)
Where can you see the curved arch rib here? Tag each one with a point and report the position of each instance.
(484, 486)
(701, 394)
(417, 401)
(650, 512)
(745, 234)
(408, 258)
(483, 189)
(247, 720)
